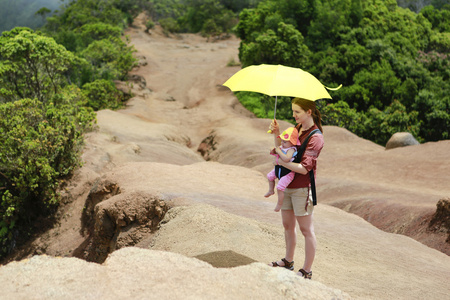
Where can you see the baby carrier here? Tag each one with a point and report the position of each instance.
(281, 171)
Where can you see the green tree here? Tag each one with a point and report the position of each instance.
(382, 83)
(380, 125)
(98, 31)
(131, 8)
(379, 52)
(162, 9)
(340, 114)
(434, 113)
(206, 16)
(284, 47)
(238, 5)
(331, 18)
(102, 94)
(109, 59)
(39, 146)
(43, 12)
(439, 19)
(32, 65)
(250, 24)
(81, 12)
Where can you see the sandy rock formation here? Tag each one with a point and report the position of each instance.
(401, 139)
(111, 221)
(134, 273)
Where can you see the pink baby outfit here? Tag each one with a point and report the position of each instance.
(286, 179)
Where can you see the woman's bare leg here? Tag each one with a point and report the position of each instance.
(307, 229)
(290, 233)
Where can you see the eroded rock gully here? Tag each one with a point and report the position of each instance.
(207, 145)
(440, 222)
(112, 220)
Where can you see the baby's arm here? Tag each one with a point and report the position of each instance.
(285, 157)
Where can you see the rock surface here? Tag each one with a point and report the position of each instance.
(133, 273)
(401, 139)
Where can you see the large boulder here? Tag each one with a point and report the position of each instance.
(401, 139)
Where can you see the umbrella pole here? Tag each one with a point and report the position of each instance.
(275, 110)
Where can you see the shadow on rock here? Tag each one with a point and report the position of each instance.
(225, 259)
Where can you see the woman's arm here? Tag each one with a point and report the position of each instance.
(276, 132)
(296, 167)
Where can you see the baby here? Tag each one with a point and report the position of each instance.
(287, 151)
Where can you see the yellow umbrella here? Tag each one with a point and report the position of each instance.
(278, 80)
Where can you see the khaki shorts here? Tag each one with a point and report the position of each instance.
(296, 199)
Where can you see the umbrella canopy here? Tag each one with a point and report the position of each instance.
(278, 80)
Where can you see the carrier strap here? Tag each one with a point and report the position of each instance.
(298, 158)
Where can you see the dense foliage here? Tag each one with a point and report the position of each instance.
(209, 17)
(39, 147)
(32, 65)
(51, 81)
(394, 64)
(92, 30)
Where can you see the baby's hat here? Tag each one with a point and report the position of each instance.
(290, 134)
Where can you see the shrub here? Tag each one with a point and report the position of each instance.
(39, 146)
(340, 114)
(103, 94)
(169, 25)
(32, 65)
(149, 25)
(109, 59)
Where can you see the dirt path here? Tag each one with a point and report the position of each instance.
(189, 72)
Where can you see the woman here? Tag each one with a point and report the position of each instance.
(297, 205)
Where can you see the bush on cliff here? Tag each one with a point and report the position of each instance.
(39, 147)
(50, 82)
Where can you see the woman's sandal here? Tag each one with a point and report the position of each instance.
(306, 275)
(287, 264)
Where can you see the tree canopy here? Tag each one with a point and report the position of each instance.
(51, 81)
(390, 60)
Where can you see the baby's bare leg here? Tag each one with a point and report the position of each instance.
(271, 189)
(280, 200)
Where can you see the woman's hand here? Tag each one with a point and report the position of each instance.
(274, 128)
(279, 162)
(276, 161)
